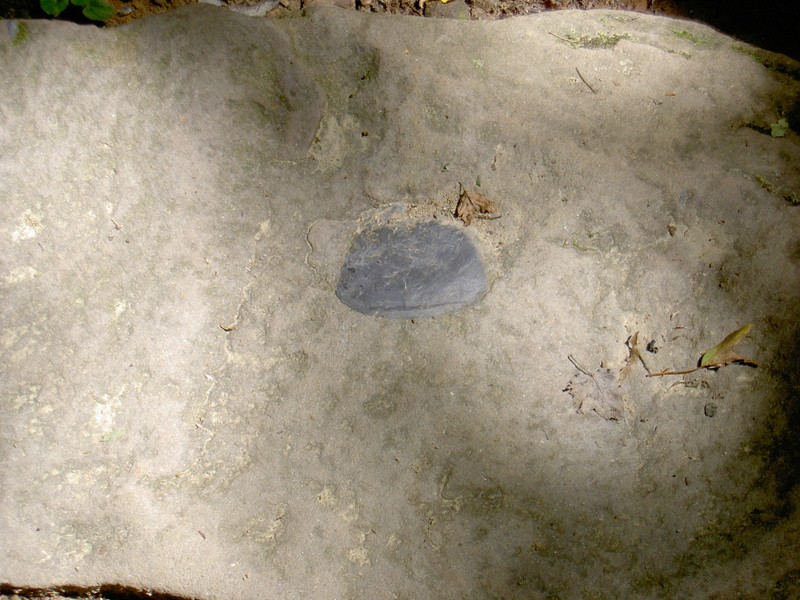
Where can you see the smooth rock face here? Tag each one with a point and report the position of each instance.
(187, 406)
(411, 270)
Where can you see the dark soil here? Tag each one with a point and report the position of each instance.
(769, 25)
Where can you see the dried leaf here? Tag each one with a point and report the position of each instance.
(465, 209)
(633, 354)
(598, 392)
(482, 203)
(472, 204)
(723, 353)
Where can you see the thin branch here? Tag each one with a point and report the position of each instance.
(668, 372)
(580, 368)
(594, 91)
(570, 42)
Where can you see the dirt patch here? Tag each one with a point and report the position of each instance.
(477, 9)
(770, 26)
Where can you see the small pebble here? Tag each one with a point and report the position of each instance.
(710, 409)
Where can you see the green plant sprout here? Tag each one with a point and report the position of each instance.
(97, 10)
(779, 129)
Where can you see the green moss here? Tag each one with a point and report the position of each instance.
(598, 40)
(747, 51)
(652, 581)
(618, 18)
(790, 196)
(583, 247)
(681, 53)
(787, 586)
(690, 37)
(20, 34)
(775, 63)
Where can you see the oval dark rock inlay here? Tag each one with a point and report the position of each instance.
(407, 270)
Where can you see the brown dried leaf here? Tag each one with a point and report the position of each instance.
(472, 204)
(481, 202)
(465, 209)
(598, 392)
(633, 356)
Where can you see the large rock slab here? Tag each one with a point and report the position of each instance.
(187, 405)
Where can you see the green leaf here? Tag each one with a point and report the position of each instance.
(779, 129)
(97, 10)
(53, 7)
(478, 181)
(110, 437)
(723, 354)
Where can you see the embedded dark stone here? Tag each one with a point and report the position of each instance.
(407, 270)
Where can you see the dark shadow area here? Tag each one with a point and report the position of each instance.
(100, 592)
(780, 444)
(769, 25)
(772, 25)
(31, 9)
(21, 9)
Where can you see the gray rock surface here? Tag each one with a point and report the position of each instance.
(417, 269)
(188, 407)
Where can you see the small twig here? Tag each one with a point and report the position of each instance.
(668, 372)
(702, 383)
(117, 226)
(594, 91)
(570, 42)
(580, 368)
(710, 367)
(588, 374)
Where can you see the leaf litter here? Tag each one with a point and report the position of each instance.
(601, 391)
(721, 355)
(474, 204)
